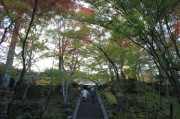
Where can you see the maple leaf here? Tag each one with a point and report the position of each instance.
(86, 11)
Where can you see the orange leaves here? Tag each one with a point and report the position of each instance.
(54, 5)
(86, 11)
(85, 41)
(176, 24)
(43, 6)
(126, 43)
(177, 27)
(47, 7)
(40, 2)
(63, 5)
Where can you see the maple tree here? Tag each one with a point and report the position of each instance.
(20, 16)
(68, 38)
(21, 12)
(150, 30)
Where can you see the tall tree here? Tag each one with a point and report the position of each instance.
(16, 10)
(10, 56)
(67, 48)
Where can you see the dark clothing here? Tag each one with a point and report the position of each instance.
(93, 92)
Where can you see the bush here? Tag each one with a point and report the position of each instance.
(111, 99)
(130, 85)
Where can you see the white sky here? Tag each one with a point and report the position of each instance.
(43, 64)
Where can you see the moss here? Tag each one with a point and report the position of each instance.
(119, 94)
(144, 100)
(111, 99)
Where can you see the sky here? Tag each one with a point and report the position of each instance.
(44, 64)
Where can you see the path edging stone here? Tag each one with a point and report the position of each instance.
(76, 108)
(102, 107)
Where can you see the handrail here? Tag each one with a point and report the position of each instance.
(102, 107)
(76, 108)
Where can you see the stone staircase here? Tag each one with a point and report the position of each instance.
(89, 110)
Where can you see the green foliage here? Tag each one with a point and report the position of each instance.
(55, 115)
(57, 75)
(119, 94)
(130, 85)
(145, 99)
(141, 21)
(14, 72)
(111, 99)
(30, 78)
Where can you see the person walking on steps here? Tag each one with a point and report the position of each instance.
(93, 94)
(84, 95)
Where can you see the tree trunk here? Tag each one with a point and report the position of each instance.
(47, 101)
(25, 92)
(145, 98)
(174, 77)
(61, 64)
(6, 79)
(167, 90)
(23, 58)
(127, 104)
(29, 70)
(10, 56)
(160, 97)
(65, 88)
(64, 83)
(49, 95)
(111, 78)
(139, 95)
(123, 77)
(171, 111)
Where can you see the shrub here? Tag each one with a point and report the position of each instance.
(111, 99)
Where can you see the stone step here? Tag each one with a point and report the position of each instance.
(89, 110)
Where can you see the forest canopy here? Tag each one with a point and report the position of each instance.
(117, 45)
